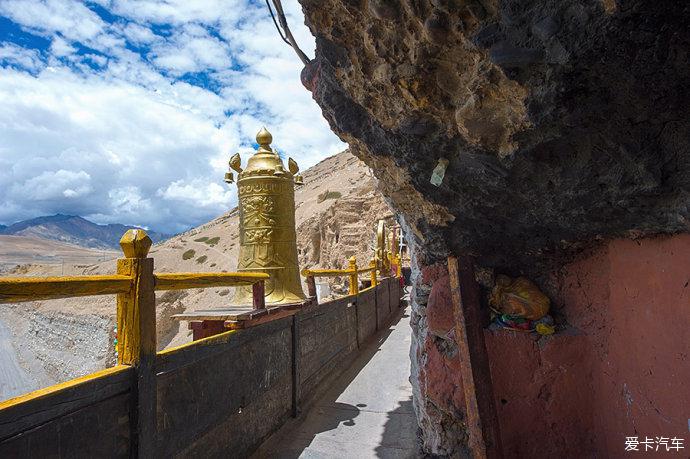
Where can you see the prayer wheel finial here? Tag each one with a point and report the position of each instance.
(264, 138)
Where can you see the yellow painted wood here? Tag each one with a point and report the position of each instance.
(136, 324)
(136, 311)
(180, 281)
(135, 243)
(372, 272)
(50, 390)
(215, 339)
(354, 281)
(18, 289)
(233, 313)
(318, 272)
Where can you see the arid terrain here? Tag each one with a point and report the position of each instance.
(51, 341)
(42, 256)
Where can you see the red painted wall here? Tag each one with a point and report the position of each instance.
(621, 368)
(632, 301)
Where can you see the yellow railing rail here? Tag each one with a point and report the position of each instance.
(318, 272)
(183, 281)
(18, 289)
(352, 272)
(386, 261)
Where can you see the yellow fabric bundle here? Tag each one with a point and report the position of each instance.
(519, 297)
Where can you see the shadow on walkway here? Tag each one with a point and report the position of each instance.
(366, 412)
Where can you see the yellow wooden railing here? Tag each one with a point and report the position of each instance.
(22, 289)
(385, 259)
(134, 284)
(352, 272)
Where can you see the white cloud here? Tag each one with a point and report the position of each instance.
(52, 185)
(61, 47)
(70, 18)
(199, 192)
(179, 12)
(16, 56)
(192, 52)
(138, 34)
(119, 136)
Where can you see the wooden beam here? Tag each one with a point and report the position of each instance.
(270, 315)
(181, 281)
(482, 420)
(336, 272)
(204, 328)
(372, 272)
(18, 289)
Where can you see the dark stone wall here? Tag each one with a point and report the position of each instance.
(230, 394)
(88, 417)
(564, 122)
(215, 398)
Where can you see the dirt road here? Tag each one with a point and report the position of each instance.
(14, 380)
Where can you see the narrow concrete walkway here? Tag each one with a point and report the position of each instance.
(367, 413)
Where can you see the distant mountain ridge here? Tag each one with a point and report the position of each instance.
(75, 230)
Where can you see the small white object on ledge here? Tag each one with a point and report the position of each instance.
(439, 172)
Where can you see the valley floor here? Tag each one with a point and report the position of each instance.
(14, 380)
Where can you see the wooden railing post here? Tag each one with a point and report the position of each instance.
(311, 286)
(354, 282)
(372, 274)
(136, 326)
(258, 292)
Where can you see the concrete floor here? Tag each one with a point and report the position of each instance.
(367, 413)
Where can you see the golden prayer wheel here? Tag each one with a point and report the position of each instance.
(268, 242)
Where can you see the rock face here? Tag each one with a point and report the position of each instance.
(564, 124)
(563, 121)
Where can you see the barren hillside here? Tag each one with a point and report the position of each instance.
(25, 254)
(336, 214)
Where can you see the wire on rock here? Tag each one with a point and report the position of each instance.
(284, 30)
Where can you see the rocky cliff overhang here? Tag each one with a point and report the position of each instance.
(564, 122)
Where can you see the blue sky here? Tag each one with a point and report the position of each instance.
(127, 111)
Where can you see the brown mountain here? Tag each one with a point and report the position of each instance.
(74, 230)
